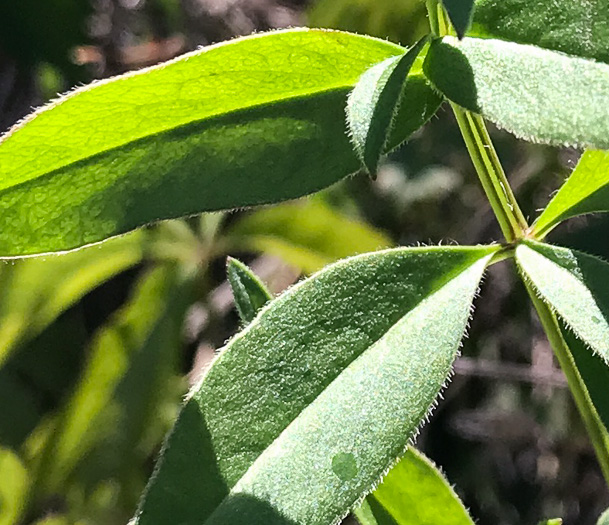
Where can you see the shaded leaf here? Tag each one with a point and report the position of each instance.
(574, 27)
(585, 191)
(304, 410)
(308, 234)
(538, 95)
(14, 482)
(575, 286)
(373, 104)
(460, 13)
(413, 492)
(249, 292)
(169, 140)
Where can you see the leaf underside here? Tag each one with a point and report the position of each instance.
(536, 94)
(252, 121)
(304, 410)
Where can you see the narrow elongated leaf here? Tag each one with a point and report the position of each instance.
(308, 234)
(575, 286)
(414, 492)
(574, 27)
(373, 104)
(252, 121)
(248, 290)
(304, 410)
(586, 191)
(538, 95)
(460, 13)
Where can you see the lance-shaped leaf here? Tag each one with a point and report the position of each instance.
(575, 286)
(304, 410)
(374, 102)
(460, 13)
(255, 120)
(536, 94)
(249, 292)
(413, 492)
(574, 27)
(585, 191)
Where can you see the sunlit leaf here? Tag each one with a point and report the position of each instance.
(413, 492)
(604, 519)
(14, 481)
(304, 410)
(585, 191)
(538, 95)
(249, 292)
(256, 120)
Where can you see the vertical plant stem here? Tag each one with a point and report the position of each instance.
(596, 430)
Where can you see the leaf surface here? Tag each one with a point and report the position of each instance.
(585, 191)
(373, 104)
(575, 286)
(413, 492)
(304, 410)
(576, 27)
(538, 95)
(14, 484)
(604, 519)
(255, 120)
(460, 13)
(249, 292)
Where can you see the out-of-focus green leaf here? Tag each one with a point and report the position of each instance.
(308, 234)
(33, 292)
(604, 519)
(14, 481)
(261, 115)
(536, 94)
(304, 410)
(594, 372)
(413, 492)
(555, 521)
(460, 13)
(123, 383)
(373, 104)
(575, 286)
(575, 27)
(586, 191)
(248, 290)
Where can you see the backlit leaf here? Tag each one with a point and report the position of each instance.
(248, 290)
(304, 410)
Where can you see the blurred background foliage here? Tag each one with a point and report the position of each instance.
(99, 346)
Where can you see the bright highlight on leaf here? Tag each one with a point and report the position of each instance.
(262, 115)
(304, 410)
(249, 292)
(586, 191)
(575, 286)
(414, 492)
(460, 13)
(604, 519)
(373, 104)
(538, 95)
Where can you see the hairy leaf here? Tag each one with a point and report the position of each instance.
(575, 286)
(460, 13)
(304, 410)
(575, 27)
(538, 95)
(414, 492)
(252, 121)
(373, 104)
(308, 234)
(586, 191)
(248, 290)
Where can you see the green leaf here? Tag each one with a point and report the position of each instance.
(252, 121)
(538, 95)
(594, 372)
(304, 410)
(373, 104)
(308, 234)
(460, 13)
(575, 286)
(14, 482)
(586, 191)
(248, 290)
(604, 519)
(574, 27)
(555, 521)
(413, 492)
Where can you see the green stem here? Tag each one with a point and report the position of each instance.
(596, 430)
